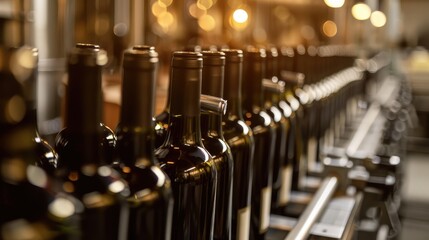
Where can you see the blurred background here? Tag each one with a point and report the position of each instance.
(397, 26)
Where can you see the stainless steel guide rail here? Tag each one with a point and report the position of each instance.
(314, 210)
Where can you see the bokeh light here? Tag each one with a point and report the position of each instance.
(207, 22)
(240, 16)
(378, 19)
(361, 11)
(329, 28)
(334, 3)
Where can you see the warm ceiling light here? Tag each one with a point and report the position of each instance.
(361, 11)
(334, 3)
(378, 19)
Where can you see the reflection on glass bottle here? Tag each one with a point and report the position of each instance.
(32, 204)
(264, 131)
(182, 155)
(151, 198)
(81, 159)
(213, 140)
(239, 137)
(282, 168)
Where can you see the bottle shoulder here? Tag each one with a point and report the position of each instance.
(147, 184)
(275, 114)
(259, 121)
(162, 118)
(186, 163)
(236, 132)
(66, 141)
(47, 157)
(216, 146)
(95, 186)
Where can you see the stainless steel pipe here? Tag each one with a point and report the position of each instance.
(314, 210)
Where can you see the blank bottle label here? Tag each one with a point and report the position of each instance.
(265, 209)
(285, 189)
(243, 223)
(312, 153)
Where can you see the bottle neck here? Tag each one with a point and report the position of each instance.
(184, 126)
(184, 130)
(185, 91)
(83, 99)
(252, 84)
(232, 90)
(213, 78)
(211, 125)
(138, 89)
(135, 131)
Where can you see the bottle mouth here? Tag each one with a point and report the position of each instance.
(213, 58)
(87, 46)
(87, 54)
(141, 57)
(233, 55)
(255, 53)
(185, 59)
(143, 48)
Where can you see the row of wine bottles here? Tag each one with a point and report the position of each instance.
(198, 171)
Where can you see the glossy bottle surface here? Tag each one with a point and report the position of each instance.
(280, 163)
(299, 158)
(161, 126)
(213, 141)
(101, 190)
(264, 134)
(47, 157)
(28, 196)
(182, 156)
(84, 83)
(239, 137)
(151, 199)
(282, 167)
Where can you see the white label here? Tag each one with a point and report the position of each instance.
(265, 209)
(312, 153)
(243, 223)
(285, 189)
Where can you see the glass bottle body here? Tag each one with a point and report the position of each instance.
(281, 174)
(151, 199)
(239, 137)
(82, 148)
(193, 180)
(264, 133)
(223, 161)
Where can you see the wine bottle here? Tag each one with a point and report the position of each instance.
(182, 155)
(81, 163)
(214, 142)
(29, 205)
(264, 131)
(151, 197)
(27, 79)
(288, 99)
(239, 137)
(282, 171)
(47, 156)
